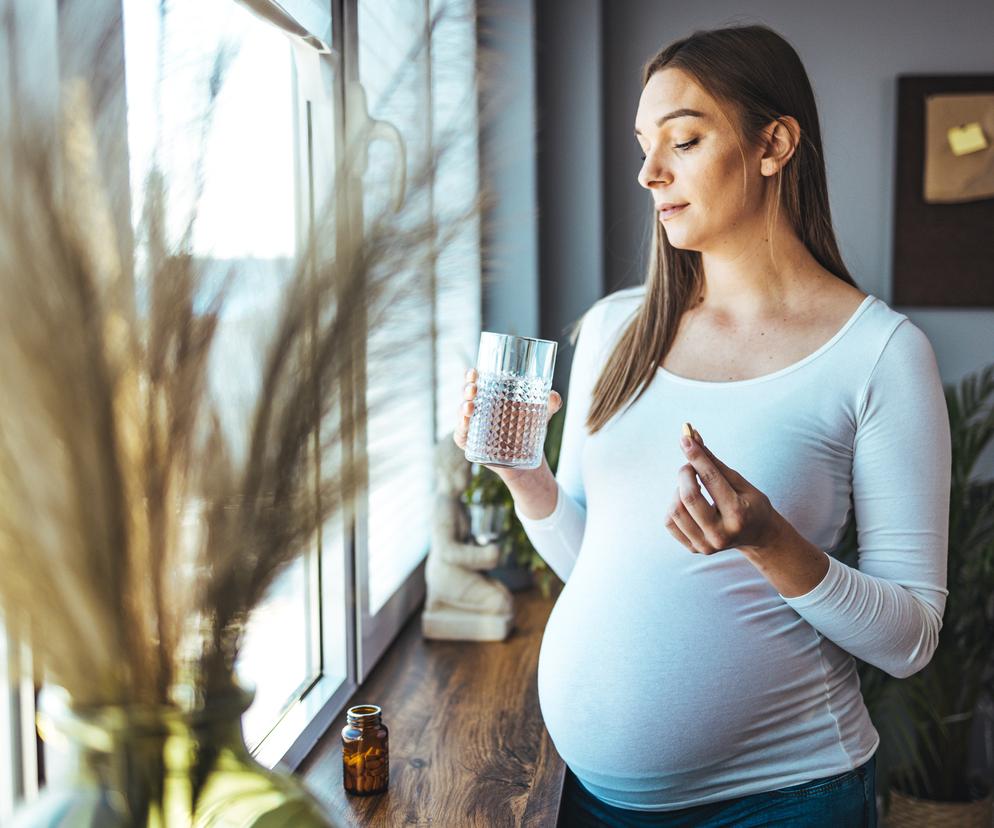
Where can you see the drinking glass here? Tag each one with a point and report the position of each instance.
(510, 413)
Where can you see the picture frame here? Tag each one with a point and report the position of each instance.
(943, 253)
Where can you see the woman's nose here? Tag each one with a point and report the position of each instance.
(653, 173)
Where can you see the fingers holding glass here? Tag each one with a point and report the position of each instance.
(465, 412)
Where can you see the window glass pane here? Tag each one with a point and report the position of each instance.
(393, 70)
(278, 655)
(9, 753)
(458, 269)
(239, 176)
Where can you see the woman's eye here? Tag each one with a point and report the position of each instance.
(682, 147)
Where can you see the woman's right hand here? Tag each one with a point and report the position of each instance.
(461, 432)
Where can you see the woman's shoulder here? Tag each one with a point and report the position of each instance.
(607, 315)
(891, 329)
(888, 351)
(620, 299)
(617, 307)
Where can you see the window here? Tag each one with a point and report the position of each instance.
(393, 535)
(276, 129)
(295, 74)
(33, 64)
(18, 757)
(236, 155)
(10, 781)
(425, 96)
(242, 220)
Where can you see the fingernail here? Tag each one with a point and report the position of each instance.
(686, 442)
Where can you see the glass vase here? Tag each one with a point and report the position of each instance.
(158, 766)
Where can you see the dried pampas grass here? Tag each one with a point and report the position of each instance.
(110, 437)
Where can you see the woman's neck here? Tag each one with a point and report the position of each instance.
(758, 280)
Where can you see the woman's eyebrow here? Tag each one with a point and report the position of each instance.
(677, 113)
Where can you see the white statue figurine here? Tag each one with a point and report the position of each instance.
(461, 603)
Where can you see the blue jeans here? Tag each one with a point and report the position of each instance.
(846, 800)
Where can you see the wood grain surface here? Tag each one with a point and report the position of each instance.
(467, 742)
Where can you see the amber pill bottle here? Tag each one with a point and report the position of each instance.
(365, 753)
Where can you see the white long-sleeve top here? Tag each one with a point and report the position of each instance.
(668, 679)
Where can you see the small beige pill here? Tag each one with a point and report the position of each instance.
(688, 430)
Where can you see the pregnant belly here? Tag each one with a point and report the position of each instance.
(680, 668)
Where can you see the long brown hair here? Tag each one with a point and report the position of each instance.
(760, 78)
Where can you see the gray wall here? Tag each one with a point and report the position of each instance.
(542, 158)
(509, 230)
(570, 150)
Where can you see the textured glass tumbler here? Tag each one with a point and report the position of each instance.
(511, 408)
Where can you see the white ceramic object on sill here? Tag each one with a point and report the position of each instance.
(461, 603)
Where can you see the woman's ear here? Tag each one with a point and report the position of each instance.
(783, 136)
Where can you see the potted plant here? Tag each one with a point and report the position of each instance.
(489, 503)
(926, 721)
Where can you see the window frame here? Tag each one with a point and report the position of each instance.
(342, 544)
(18, 738)
(375, 632)
(303, 722)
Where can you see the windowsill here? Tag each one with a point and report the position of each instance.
(467, 741)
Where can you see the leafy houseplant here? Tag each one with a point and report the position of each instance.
(926, 721)
(485, 487)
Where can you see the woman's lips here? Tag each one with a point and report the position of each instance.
(668, 212)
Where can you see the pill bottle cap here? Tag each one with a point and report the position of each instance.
(364, 715)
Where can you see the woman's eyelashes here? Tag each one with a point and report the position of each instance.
(682, 147)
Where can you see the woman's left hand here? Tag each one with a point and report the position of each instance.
(742, 516)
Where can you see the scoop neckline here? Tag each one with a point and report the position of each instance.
(870, 298)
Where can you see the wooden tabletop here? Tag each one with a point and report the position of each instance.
(467, 743)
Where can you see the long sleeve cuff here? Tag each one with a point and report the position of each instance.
(818, 594)
(881, 622)
(557, 536)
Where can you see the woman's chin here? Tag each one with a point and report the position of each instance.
(680, 242)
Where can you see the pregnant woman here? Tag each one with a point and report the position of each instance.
(699, 665)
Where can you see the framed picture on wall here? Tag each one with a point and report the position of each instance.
(944, 193)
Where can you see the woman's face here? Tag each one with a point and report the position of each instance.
(695, 159)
